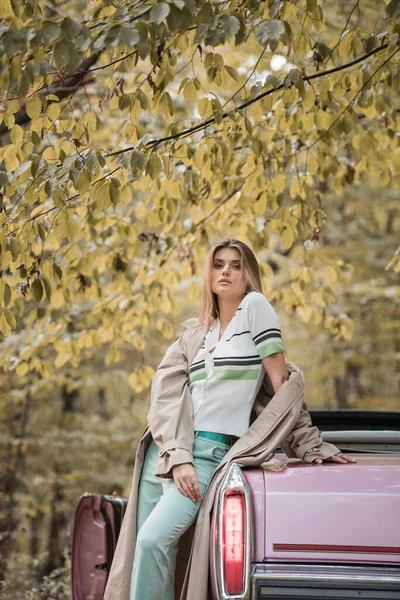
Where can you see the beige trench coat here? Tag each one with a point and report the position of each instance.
(278, 420)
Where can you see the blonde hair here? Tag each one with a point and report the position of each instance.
(209, 308)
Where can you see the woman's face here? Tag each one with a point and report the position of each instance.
(227, 265)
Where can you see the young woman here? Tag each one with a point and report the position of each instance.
(242, 343)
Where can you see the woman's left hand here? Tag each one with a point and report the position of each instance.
(337, 458)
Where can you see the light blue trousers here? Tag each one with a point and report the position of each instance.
(163, 515)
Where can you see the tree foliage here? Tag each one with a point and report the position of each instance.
(110, 194)
(133, 135)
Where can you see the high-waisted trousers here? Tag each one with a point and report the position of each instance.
(163, 515)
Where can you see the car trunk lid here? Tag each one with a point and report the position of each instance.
(334, 512)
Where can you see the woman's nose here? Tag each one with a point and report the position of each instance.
(225, 271)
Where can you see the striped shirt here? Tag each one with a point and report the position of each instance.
(225, 383)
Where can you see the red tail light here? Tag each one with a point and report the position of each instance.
(233, 540)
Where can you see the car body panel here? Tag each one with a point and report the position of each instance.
(334, 512)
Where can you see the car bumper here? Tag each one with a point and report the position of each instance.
(301, 582)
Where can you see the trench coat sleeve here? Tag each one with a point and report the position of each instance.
(305, 441)
(170, 416)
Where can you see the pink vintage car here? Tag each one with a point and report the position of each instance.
(286, 530)
(290, 530)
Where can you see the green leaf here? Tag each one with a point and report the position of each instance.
(144, 101)
(347, 122)
(65, 55)
(322, 49)
(42, 232)
(114, 190)
(272, 81)
(138, 162)
(50, 32)
(130, 35)
(159, 12)
(292, 77)
(47, 287)
(229, 24)
(248, 125)
(7, 294)
(393, 8)
(37, 290)
(92, 162)
(269, 33)
(154, 165)
(13, 41)
(57, 271)
(312, 5)
(124, 101)
(5, 178)
(70, 28)
(232, 72)
(14, 248)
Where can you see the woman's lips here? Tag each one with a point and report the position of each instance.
(224, 282)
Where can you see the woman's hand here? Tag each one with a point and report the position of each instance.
(184, 476)
(337, 458)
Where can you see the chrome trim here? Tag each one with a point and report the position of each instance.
(329, 551)
(234, 480)
(336, 574)
(350, 436)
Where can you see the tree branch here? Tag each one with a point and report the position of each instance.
(60, 88)
(211, 120)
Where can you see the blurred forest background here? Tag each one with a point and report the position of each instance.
(136, 134)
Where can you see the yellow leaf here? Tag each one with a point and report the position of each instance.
(141, 211)
(63, 356)
(306, 313)
(309, 98)
(6, 9)
(330, 273)
(261, 205)
(4, 325)
(17, 134)
(345, 45)
(312, 166)
(278, 183)
(101, 194)
(53, 111)
(287, 238)
(90, 119)
(323, 120)
(10, 157)
(308, 121)
(34, 107)
(190, 92)
(10, 318)
(204, 107)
